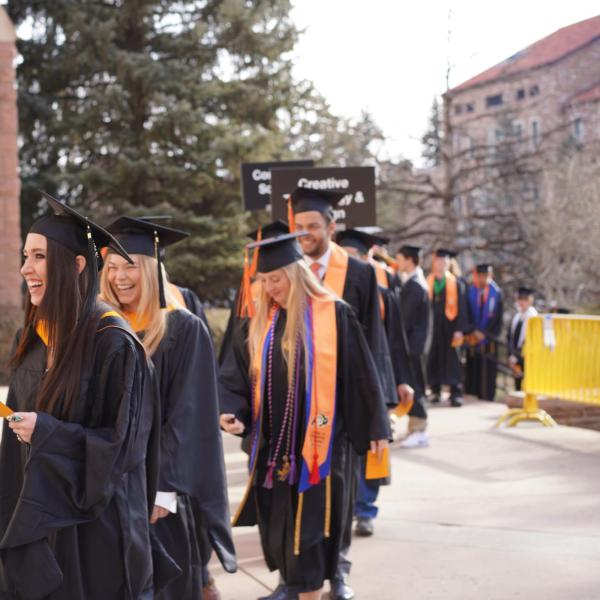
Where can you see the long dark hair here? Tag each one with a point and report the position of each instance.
(70, 313)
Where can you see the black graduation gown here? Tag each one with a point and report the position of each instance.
(191, 462)
(481, 369)
(444, 366)
(74, 505)
(360, 418)
(416, 314)
(194, 304)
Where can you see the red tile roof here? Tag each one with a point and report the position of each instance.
(543, 52)
(589, 95)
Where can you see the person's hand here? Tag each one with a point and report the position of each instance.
(479, 335)
(512, 360)
(378, 446)
(406, 393)
(231, 424)
(158, 512)
(23, 425)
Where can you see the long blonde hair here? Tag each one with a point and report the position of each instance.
(148, 307)
(303, 285)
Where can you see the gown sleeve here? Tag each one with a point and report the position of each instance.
(234, 378)
(361, 403)
(191, 414)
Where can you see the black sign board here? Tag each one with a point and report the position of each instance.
(256, 181)
(355, 209)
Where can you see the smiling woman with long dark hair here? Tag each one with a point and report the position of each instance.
(78, 459)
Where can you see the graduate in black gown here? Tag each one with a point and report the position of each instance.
(417, 318)
(290, 384)
(192, 496)
(77, 479)
(515, 336)
(359, 243)
(356, 283)
(450, 320)
(485, 326)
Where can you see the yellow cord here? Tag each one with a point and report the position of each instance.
(327, 506)
(298, 524)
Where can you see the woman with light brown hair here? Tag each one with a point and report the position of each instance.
(300, 383)
(192, 504)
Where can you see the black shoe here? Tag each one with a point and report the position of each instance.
(364, 527)
(456, 401)
(281, 592)
(340, 590)
(434, 398)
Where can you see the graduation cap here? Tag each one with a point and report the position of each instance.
(278, 252)
(271, 230)
(72, 230)
(483, 268)
(525, 292)
(445, 253)
(409, 251)
(307, 199)
(359, 239)
(140, 236)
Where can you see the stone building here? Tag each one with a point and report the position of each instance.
(10, 278)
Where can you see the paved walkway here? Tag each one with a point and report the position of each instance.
(480, 514)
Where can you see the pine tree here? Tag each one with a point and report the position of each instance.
(432, 138)
(148, 107)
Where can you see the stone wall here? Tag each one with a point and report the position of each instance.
(10, 248)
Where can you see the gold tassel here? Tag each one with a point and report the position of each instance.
(327, 531)
(298, 524)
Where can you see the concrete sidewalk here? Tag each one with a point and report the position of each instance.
(482, 513)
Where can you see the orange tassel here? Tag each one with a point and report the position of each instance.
(291, 219)
(315, 477)
(245, 306)
(254, 266)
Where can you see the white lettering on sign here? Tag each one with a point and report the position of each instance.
(331, 183)
(359, 197)
(339, 214)
(264, 189)
(260, 175)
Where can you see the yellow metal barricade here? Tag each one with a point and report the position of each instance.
(562, 360)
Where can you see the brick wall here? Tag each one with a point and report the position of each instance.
(10, 279)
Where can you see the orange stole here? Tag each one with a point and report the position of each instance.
(335, 277)
(451, 308)
(382, 281)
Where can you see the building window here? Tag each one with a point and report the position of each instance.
(493, 100)
(534, 90)
(458, 108)
(578, 129)
(520, 94)
(518, 129)
(470, 107)
(536, 132)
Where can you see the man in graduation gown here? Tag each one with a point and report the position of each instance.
(358, 243)
(449, 322)
(515, 337)
(416, 315)
(311, 211)
(485, 324)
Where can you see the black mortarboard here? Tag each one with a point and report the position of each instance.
(483, 268)
(271, 230)
(525, 292)
(277, 252)
(139, 236)
(306, 199)
(72, 230)
(409, 251)
(444, 253)
(355, 238)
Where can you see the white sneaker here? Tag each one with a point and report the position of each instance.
(417, 439)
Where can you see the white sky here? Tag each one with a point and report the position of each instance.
(389, 56)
